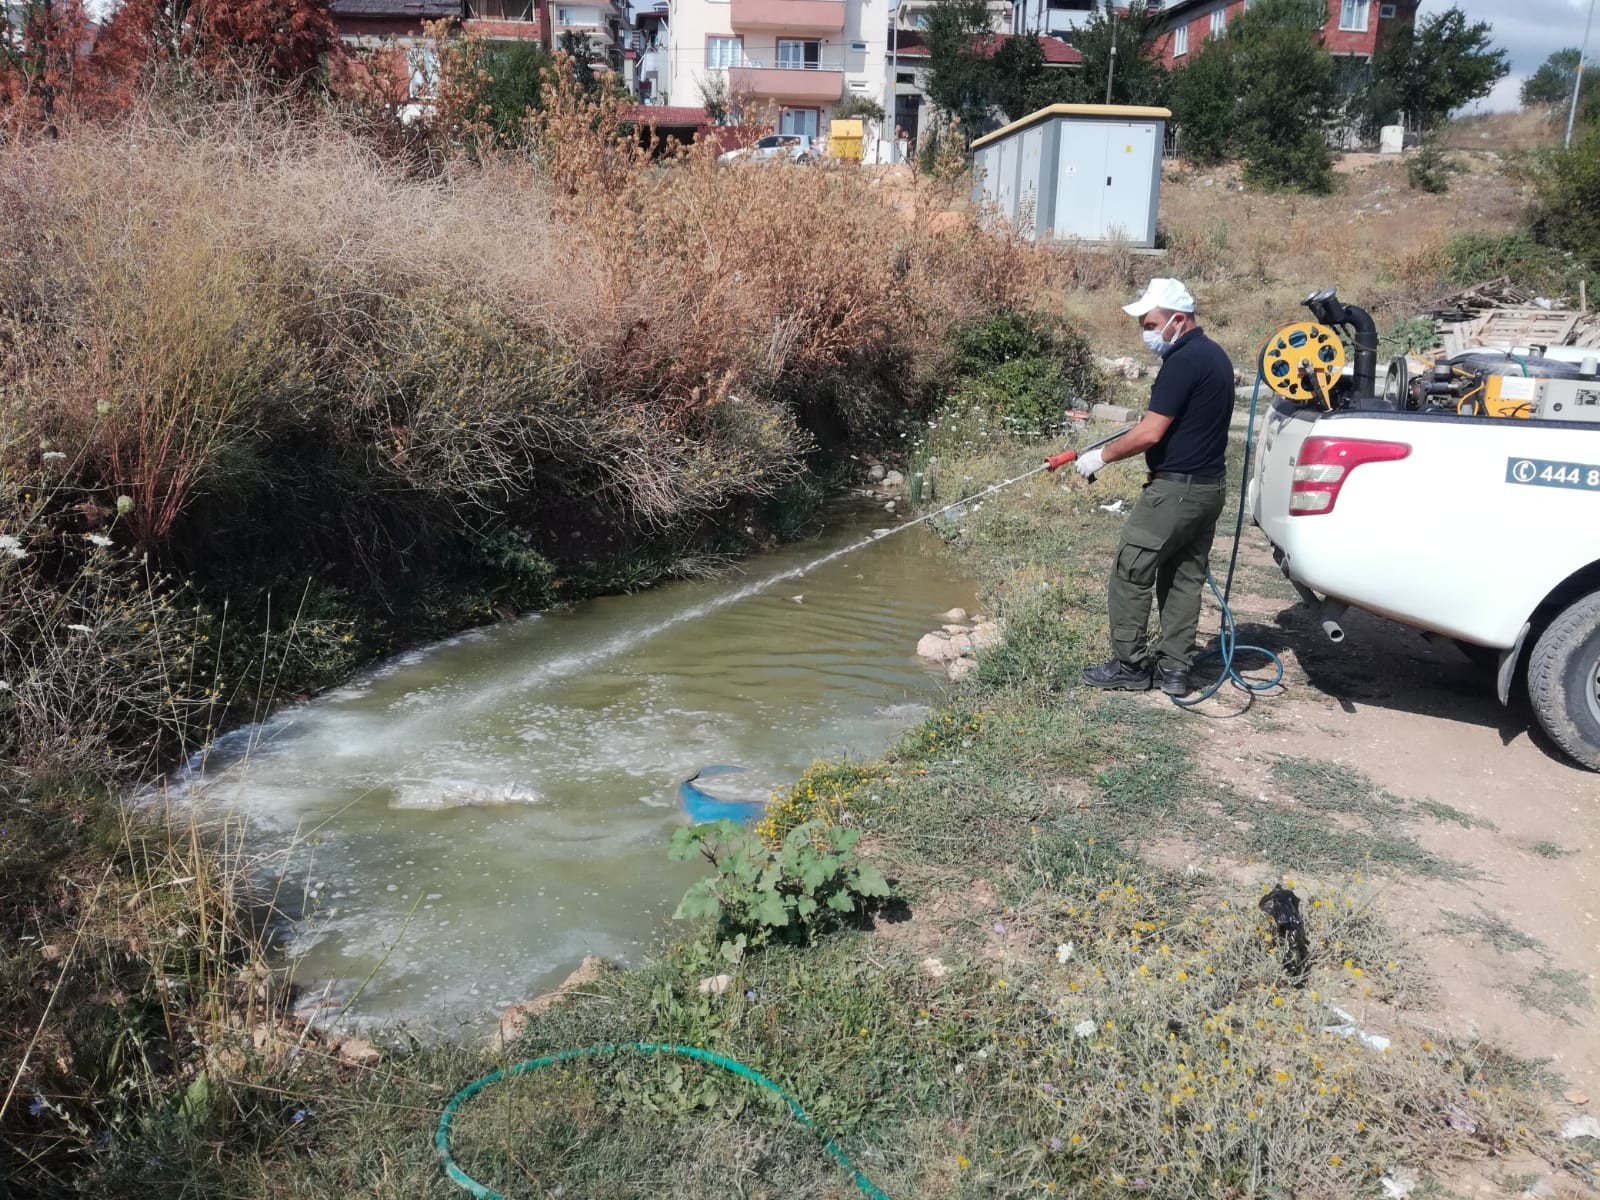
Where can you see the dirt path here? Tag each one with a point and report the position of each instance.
(1512, 945)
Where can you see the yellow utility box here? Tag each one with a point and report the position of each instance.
(845, 137)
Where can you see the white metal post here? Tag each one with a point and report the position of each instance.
(888, 82)
(1577, 82)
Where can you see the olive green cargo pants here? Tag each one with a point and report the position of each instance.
(1166, 546)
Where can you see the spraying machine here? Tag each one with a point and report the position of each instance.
(1305, 363)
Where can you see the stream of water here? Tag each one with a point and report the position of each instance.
(467, 821)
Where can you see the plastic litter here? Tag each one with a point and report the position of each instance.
(1398, 1182)
(1283, 906)
(1350, 1028)
(1580, 1127)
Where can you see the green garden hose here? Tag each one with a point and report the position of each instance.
(441, 1139)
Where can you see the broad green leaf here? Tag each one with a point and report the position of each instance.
(699, 901)
(818, 870)
(805, 906)
(869, 881)
(844, 840)
(771, 910)
(842, 902)
(685, 842)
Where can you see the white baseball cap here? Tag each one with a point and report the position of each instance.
(1169, 294)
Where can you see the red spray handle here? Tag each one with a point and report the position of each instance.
(1055, 464)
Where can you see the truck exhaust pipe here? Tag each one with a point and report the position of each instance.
(1327, 613)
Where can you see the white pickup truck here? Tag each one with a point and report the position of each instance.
(1480, 528)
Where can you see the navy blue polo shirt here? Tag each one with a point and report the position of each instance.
(1195, 388)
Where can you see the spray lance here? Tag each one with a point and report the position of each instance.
(1060, 460)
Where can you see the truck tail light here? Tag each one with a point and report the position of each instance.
(1324, 465)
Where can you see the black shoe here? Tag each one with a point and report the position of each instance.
(1174, 683)
(1117, 676)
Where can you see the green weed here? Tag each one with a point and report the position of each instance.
(1555, 991)
(1493, 929)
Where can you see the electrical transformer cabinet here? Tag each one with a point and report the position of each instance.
(1084, 172)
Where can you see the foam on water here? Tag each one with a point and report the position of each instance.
(464, 823)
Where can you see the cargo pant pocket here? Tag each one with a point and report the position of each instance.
(1140, 556)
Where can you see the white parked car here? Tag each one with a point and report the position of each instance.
(775, 147)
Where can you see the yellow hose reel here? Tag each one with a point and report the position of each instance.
(1302, 362)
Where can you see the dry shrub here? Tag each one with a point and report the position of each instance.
(252, 344)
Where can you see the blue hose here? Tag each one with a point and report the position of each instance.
(1228, 635)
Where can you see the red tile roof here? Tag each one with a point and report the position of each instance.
(1057, 53)
(665, 114)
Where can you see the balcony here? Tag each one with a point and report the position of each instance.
(787, 16)
(786, 84)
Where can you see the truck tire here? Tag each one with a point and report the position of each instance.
(1564, 680)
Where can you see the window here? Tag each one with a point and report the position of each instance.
(1386, 11)
(501, 10)
(799, 55)
(1219, 22)
(723, 52)
(1180, 41)
(1353, 15)
(858, 47)
(919, 20)
(799, 120)
(906, 77)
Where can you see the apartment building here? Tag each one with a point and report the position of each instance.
(1054, 18)
(601, 27)
(393, 30)
(1354, 28)
(648, 44)
(800, 58)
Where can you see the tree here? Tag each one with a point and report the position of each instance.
(972, 72)
(960, 75)
(1139, 76)
(858, 107)
(1204, 103)
(1264, 93)
(1423, 73)
(1567, 212)
(1552, 82)
(44, 72)
(513, 75)
(1021, 82)
(287, 43)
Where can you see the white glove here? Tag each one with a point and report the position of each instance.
(1090, 463)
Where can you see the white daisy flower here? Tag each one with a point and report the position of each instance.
(99, 539)
(1064, 952)
(10, 545)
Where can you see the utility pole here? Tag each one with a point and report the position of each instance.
(891, 86)
(1577, 81)
(1111, 62)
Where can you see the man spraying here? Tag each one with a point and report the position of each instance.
(1166, 543)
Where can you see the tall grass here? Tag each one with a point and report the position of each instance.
(271, 399)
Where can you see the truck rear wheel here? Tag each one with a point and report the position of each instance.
(1564, 680)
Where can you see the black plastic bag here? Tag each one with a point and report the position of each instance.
(1283, 906)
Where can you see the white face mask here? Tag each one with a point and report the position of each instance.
(1154, 339)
